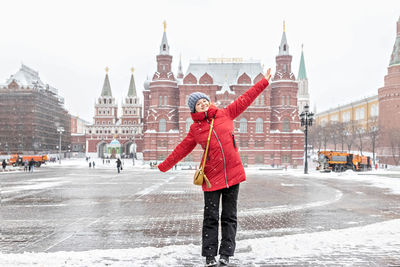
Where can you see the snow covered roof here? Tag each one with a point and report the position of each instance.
(222, 72)
(27, 77)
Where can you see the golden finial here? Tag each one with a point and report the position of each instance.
(165, 26)
(132, 70)
(283, 26)
(106, 70)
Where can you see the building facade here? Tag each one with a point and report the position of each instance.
(30, 113)
(78, 136)
(111, 135)
(363, 112)
(268, 132)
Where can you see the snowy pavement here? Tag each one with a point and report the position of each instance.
(70, 215)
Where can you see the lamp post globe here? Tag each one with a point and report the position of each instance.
(60, 130)
(306, 118)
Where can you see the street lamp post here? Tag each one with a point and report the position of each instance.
(60, 130)
(306, 118)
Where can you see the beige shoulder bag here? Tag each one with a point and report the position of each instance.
(199, 175)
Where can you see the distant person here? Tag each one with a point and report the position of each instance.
(90, 164)
(94, 164)
(4, 164)
(223, 167)
(118, 165)
(31, 164)
(26, 163)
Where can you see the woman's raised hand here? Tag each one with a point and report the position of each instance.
(268, 74)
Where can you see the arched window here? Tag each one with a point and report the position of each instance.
(287, 100)
(283, 100)
(285, 126)
(262, 100)
(243, 125)
(259, 125)
(162, 126)
(160, 101)
(189, 122)
(165, 100)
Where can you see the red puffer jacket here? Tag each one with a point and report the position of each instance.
(223, 165)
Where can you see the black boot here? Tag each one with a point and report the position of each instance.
(210, 261)
(223, 260)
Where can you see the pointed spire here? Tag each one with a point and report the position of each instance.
(180, 72)
(106, 86)
(302, 69)
(395, 57)
(164, 47)
(284, 47)
(132, 86)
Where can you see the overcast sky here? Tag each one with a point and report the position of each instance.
(347, 44)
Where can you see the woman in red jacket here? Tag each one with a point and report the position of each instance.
(223, 167)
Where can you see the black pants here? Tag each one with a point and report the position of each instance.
(228, 221)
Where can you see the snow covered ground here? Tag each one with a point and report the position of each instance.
(290, 249)
(343, 247)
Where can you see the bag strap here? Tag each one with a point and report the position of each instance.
(208, 144)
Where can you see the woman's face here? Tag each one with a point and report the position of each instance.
(202, 105)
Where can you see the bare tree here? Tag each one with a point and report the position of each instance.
(315, 136)
(372, 133)
(350, 134)
(325, 136)
(334, 133)
(341, 133)
(394, 142)
(360, 132)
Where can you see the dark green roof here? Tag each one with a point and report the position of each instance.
(106, 87)
(302, 69)
(132, 87)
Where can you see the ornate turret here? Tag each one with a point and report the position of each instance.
(303, 97)
(131, 108)
(164, 60)
(283, 60)
(106, 108)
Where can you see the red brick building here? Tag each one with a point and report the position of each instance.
(125, 132)
(268, 132)
(389, 108)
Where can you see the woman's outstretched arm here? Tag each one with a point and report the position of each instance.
(181, 151)
(245, 100)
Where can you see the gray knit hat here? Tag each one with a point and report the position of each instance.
(193, 98)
